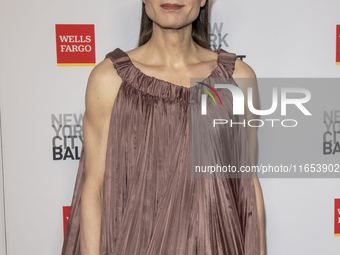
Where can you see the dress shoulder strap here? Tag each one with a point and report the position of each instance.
(120, 61)
(227, 59)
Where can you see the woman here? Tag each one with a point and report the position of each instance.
(133, 192)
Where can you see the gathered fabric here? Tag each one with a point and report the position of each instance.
(152, 205)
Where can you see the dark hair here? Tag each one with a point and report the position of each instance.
(199, 28)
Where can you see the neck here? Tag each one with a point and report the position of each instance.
(171, 47)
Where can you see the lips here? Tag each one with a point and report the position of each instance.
(171, 7)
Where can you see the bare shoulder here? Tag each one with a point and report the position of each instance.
(243, 70)
(245, 78)
(102, 88)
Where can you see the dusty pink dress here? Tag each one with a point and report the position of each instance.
(151, 205)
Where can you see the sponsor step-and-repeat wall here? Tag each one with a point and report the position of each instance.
(47, 51)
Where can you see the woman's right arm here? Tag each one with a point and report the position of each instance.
(101, 92)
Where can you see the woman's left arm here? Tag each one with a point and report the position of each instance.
(245, 77)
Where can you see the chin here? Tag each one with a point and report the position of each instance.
(171, 24)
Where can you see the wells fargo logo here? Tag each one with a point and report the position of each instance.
(337, 217)
(66, 213)
(338, 44)
(75, 45)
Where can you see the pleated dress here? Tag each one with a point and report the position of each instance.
(153, 204)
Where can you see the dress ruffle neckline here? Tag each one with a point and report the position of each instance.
(133, 76)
